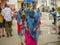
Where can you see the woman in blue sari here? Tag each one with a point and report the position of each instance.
(32, 25)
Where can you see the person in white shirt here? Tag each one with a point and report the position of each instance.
(7, 14)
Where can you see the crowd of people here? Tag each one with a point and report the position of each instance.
(28, 23)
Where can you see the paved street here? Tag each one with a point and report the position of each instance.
(47, 33)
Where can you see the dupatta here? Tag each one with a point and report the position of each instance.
(32, 22)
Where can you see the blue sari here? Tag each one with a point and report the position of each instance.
(19, 16)
(32, 22)
(30, 36)
(26, 10)
(18, 21)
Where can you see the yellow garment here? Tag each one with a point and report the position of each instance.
(1, 18)
(30, 6)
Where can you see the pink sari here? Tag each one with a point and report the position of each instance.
(29, 39)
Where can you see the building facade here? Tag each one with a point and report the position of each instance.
(2, 2)
(19, 3)
(13, 4)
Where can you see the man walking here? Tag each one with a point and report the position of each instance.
(7, 14)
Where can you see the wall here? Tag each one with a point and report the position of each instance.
(2, 3)
(46, 3)
(49, 4)
(58, 3)
(19, 3)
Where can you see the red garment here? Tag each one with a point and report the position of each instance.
(39, 22)
(15, 13)
(19, 27)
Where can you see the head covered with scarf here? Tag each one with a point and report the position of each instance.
(32, 22)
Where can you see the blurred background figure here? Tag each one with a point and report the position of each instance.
(54, 14)
(14, 13)
(1, 24)
(7, 14)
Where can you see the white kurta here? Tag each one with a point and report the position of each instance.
(7, 13)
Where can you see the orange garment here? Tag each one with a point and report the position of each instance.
(1, 18)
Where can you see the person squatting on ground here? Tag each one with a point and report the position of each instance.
(7, 14)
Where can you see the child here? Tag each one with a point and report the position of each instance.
(22, 27)
(1, 24)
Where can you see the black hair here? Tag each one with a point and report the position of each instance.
(53, 9)
(6, 5)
